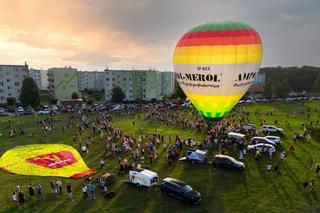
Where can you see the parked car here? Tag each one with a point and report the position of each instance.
(143, 177)
(249, 127)
(28, 111)
(3, 112)
(20, 111)
(180, 190)
(272, 129)
(225, 161)
(262, 147)
(118, 107)
(197, 156)
(44, 112)
(54, 108)
(275, 139)
(11, 109)
(257, 140)
(236, 137)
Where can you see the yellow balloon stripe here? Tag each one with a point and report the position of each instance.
(214, 106)
(228, 54)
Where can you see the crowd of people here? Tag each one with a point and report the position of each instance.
(140, 151)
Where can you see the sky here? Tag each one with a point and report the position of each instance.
(141, 34)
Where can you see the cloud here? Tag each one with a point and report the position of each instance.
(93, 34)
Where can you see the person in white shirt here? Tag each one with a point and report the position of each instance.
(59, 186)
(85, 191)
(269, 167)
(15, 198)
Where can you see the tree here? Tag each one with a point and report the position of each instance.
(11, 101)
(117, 95)
(316, 85)
(75, 95)
(98, 95)
(284, 88)
(29, 93)
(179, 92)
(268, 90)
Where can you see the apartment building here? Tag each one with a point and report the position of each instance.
(139, 84)
(63, 82)
(11, 78)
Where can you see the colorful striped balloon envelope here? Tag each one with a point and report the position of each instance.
(215, 64)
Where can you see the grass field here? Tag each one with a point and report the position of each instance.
(254, 190)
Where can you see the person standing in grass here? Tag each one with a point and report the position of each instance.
(40, 192)
(69, 191)
(31, 191)
(53, 185)
(269, 167)
(15, 199)
(59, 187)
(101, 163)
(92, 190)
(21, 198)
(85, 191)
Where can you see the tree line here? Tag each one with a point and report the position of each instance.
(281, 80)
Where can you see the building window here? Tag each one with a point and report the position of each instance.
(8, 80)
(1, 83)
(124, 79)
(16, 83)
(107, 79)
(1, 90)
(9, 87)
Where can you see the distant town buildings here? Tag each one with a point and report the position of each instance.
(92, 80)
(11, 77)
(139, 84)
(257, 88)
(63, 82)
(36, 76)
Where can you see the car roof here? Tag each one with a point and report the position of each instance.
(258, 138)
(149, 173)
(264, 144)
(174, 181)
(272, 136)
(236, 134)
(201, 152)
(223, 156)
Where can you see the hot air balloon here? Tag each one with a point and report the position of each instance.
(215, 64)
(45, 160)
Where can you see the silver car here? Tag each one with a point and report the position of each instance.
(257, 140)
(275, 139)
(262, 147)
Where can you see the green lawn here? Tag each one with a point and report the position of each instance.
(254, 190)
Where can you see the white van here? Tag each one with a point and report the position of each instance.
(143, 177)
(236, 137)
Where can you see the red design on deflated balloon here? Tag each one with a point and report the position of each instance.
(54, 160)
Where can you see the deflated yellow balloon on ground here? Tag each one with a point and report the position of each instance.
(45, 160)
(215, 64)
